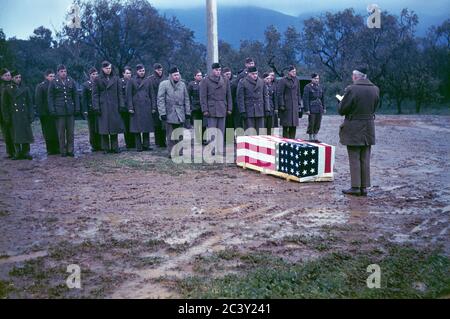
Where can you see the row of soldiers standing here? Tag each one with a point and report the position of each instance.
(136, 106)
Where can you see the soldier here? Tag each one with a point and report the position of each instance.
(289, 101)
(92, 117)
(273, 110)
(215, 99)
(6, 127)
(275, 89)
(249, 62)
(155, 80)
(48, 122)
(108, 102)
(140, 106)
(194, 98)
(129, 137)
(314, 105)
(18, 112)
(359, 104)
(173, 104)
(253, 100)
(64, 104)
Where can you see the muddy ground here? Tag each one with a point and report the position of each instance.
(136, 223)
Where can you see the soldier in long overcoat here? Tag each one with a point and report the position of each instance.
(108, 102)
(270, 116)
(358, 105)
(141, 108)
(196, 108)
(160, 128)
(128, 136)
(5, 80)
(289, 103)
(18, 111)
(216, 102)
(253, 102)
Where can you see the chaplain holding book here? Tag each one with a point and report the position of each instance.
(358, 105)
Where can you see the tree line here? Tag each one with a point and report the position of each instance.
(406, 67)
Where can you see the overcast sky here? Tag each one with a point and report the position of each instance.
(20, 17)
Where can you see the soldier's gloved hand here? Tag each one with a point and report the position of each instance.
(282, 108)
(85, 115)
(229, 112)
(164, 118)
(153, 111)
(244, 115)
(131, 111)
(206, 114)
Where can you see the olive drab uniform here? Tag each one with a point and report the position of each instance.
(48, 122)
(94, 136)
(289, 104)
(64, 104)
(6, 127)
(358, 105)
(129, 137)
(18, 111)
(197, 114)
(313, 102)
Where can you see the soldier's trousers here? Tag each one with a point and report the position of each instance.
(169, 129)
(110, 142)
(130, 140)
(219, 124)
(289, 131)
(94, 137)
(314, 121)
(160, 131)
(50, 133)
(197, 115)
(7, 135)
(359, 159)
(269, 123)
(65, 126)
(142, 141)
(254, 123)
(22, 149)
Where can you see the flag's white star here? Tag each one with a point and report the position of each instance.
(305, 163)
(313, 152)
(292, 171)
(313, 161)
(292, 154)
(304, 172)
(305, 152)
(312, 170)
(292, 162)
(296, 156)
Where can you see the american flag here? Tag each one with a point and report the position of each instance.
(294, 159)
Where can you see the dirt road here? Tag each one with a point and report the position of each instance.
(136, 222)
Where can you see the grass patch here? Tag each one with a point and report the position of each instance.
(5, 289)
(336, 275)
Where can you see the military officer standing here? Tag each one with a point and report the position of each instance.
(18, 111)
(48, 122)
(141, 108)
(194, 98)
(273, 110)
(173, 104)
(108, 102)
(94, 136)
(6, 127)
(129, 137)
(314, 106)
(253, 101)
(289, 102)
(160, 129)
(216, 102)
(64, 104)
(358, 105)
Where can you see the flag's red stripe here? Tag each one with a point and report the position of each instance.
(327, 159)
(256, 148)
(259, 163)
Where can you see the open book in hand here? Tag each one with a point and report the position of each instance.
(339, 97)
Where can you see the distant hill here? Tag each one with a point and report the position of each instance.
(249, 23)
(235, 23)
